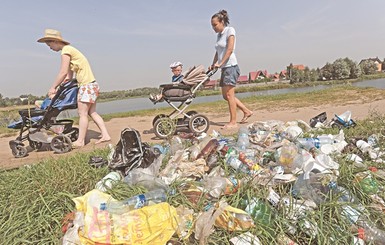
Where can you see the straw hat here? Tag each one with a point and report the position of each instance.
(52, 35)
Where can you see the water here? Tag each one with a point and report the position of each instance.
(144, 103)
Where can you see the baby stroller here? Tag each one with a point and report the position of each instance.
(41, 126)
(184, 92)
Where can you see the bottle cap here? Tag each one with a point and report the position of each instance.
(103, 206)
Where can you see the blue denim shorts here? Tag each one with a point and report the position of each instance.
(229, 76)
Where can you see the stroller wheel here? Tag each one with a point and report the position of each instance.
(190, 113)
(18, 150)
(157, 117)
(61, 144)
(74, 134)
(199, 123)
(35, 145)
(164, 127)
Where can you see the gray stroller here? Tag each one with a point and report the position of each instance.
(182, 93)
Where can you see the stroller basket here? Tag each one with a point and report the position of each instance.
(62, 126)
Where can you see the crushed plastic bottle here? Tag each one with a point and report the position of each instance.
(176, 144)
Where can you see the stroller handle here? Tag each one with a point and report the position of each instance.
(209, 73)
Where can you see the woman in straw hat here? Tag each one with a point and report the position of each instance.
(73, 61)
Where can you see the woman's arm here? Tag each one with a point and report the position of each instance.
(63, 73)
(213, 65)
(229, 50)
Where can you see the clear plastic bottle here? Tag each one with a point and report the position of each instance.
(372, 234)
(176, 144)
(243, 138)
(237, 164)
(135, 202)
(317, 142)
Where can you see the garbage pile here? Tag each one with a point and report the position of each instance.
(269, 184)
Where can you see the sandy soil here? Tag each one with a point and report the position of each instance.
(359, 110)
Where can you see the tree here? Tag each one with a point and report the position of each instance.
(341, 69)
(368, 67)
(355, 70)
(327, 72)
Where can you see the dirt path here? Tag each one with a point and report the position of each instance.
(359, 110)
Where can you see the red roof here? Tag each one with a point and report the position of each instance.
(253, 75)
(243, 79)
(299, 67)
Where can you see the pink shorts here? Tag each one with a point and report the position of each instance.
(88, 93)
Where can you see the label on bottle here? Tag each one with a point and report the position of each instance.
(140, 201)
(351, 213)
(273, 197)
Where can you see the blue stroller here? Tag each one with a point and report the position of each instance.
(40, 126)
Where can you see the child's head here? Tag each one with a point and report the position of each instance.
(176, 68)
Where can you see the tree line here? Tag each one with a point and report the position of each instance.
(342, 68)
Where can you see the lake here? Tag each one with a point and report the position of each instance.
(144, 103)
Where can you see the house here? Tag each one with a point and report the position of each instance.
(243, 79)
(274, 77)
(212, 84)
(283, 75)
(299, 67)
(257, 75)
(376, 61)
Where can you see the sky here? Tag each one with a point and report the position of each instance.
(130, 44)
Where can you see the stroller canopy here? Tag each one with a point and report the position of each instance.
(194, 75)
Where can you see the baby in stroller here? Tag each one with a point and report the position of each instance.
(176, 69)
(182, 92)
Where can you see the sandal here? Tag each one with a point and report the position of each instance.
(245, 118)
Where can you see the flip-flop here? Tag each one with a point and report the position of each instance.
(245, 118)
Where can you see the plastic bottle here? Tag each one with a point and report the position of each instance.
(243, 138)
(148, 181)
(309, 143)
(259, 210)
(372, 234)
(237, 164)
(176, 144)
(135, 202)
(366, 182)
(108, 181)
(210, 147)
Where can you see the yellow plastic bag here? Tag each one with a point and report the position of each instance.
(153, 224)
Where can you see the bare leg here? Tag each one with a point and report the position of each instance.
(246, 112)
(100, 123)
(228, 93)
(83, 109)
